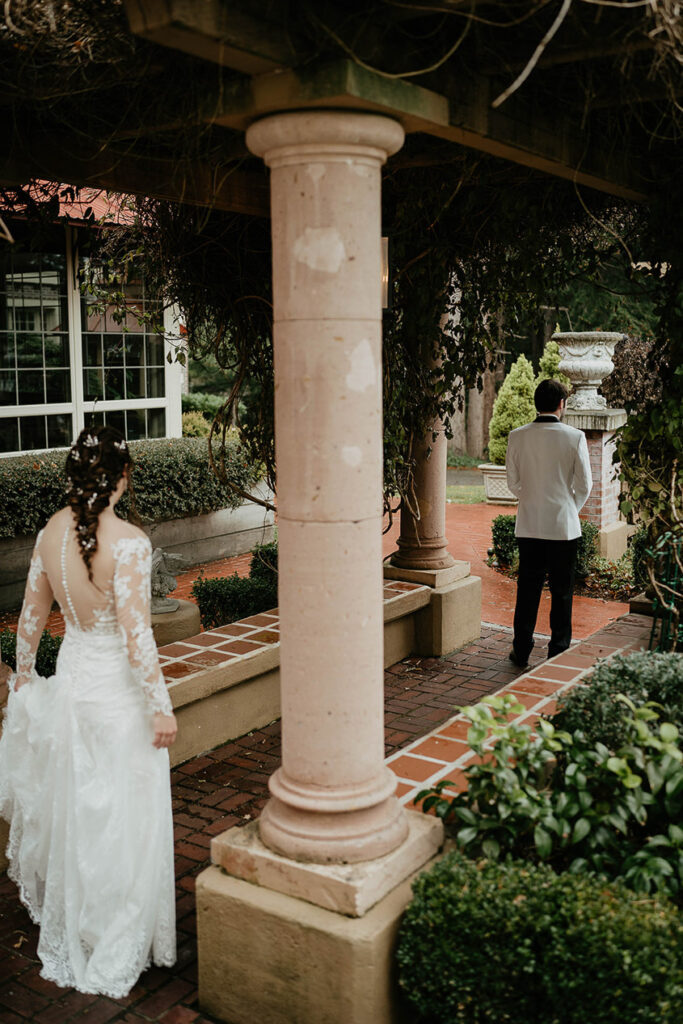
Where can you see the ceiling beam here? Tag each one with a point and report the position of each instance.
(197, 184)
(214, 31)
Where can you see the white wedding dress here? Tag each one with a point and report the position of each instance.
(86, 792)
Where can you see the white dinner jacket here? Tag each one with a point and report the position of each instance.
(548, 469)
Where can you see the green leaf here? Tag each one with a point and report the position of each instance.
(466, 836)
(491, 849)
(668, 732)
(581, 829)
(543, 842)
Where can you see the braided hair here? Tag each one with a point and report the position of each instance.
(94, 466)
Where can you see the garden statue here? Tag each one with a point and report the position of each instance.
(164, 565)
(587, 360)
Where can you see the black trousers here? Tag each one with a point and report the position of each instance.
(555, 559)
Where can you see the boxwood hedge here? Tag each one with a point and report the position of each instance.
(172, 479)
(515, 943)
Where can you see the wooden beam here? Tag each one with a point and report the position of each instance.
(221, 187)
(553, 146)
(213, 30)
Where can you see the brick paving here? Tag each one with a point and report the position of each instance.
(211, 793)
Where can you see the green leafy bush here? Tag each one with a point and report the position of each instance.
(227, 599)
(642, 676)
(517, 944)
(549, 365)
(613, 578)
(208, 405)
(172, 479)
(46, 655)
(195, 425)
(638, 545)
(587, 549)
(513, 407)
(559, 797)
(264, 563)
(505, 548)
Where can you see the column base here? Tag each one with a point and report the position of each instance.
(613, 540)
(430, 577)
(451, 620)
(273, 958)
(350, 889)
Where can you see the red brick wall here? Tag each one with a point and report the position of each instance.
(602, 507)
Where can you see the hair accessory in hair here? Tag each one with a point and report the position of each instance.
(75, 454)
(88, 544)
(92, 499)
(91, 442)
(121, 445)
(103, 480)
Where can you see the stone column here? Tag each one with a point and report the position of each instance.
(333, 798)
(422, 543)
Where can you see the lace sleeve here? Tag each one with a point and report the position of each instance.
(38, 599)
(132, 594)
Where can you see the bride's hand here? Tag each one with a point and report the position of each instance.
(165, 729)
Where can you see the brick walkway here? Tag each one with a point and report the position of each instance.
(210, 794)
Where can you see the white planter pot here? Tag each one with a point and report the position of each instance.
(495, 485)
(586, 358)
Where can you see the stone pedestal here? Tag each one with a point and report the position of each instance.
(602, 507)
(171, 626)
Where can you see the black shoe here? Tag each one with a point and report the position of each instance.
(516, 661)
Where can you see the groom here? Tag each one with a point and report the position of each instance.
(549, 471)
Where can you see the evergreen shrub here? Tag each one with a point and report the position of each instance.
(514, 943)
(172, 479)
(513, 407)
(642, 676)
(208, 405)
(504, 541)
(46, 655)
(228, 599)
(638, 544)
(195, 425)
(505, 546)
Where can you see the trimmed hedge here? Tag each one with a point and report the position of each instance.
(46, 655)
(172, 479)
(642, 676)
(517, 944)
(506, 551)
(208, 405)
(227, 599)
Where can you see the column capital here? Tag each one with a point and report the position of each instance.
(299, 136)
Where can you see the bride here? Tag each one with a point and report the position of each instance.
(84, 769)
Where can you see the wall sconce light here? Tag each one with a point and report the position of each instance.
(385, 272)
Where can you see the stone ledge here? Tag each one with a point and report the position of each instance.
(428, 577)
(595, 419)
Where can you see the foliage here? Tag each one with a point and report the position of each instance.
(632, 382)
(638, 545)
(209, 405)
(171, 479)
(642, 676)
(264, 563)
(228, 599)
(195, 425)
(46, 655)
(613, 580)
(515, 943)
(586, 549)
(513, 407)
(505, 548)
(559, 797)
(459, 460)
(549, 365)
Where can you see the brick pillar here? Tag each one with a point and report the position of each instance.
(602, 507)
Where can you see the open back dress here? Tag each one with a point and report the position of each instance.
(86, 792)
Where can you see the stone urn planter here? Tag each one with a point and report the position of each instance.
(495, 485)
(586, 358)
